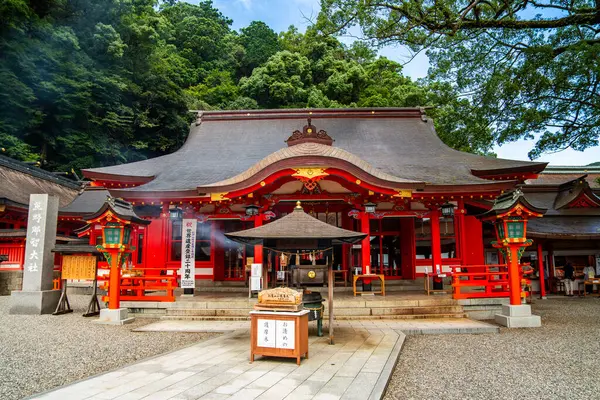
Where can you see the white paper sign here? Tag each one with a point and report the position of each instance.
(255, 283)
(285, 334)
(256, 270)
(188, 254)
(266, 333)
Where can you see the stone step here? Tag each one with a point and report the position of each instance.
(417, 310)
(205, 318)
(339, 311)
(339, 317)
(376, 311)
(410, 316)
(354, 302)
(208, 313)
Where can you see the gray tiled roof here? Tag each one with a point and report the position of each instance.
(397, 142)
(19, 180)
(565, 227)
(87, 202)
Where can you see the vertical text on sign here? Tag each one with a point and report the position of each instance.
(35, 235)
(266, 333)
(276, 334)
(188, 254)
(285, 336)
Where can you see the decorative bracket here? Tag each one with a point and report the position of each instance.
(309, 134)
(310, 176)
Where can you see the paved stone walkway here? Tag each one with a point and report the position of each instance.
(357, 366)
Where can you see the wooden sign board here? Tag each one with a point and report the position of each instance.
(79, 267)
(280, 296)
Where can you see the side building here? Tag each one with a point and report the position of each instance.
(570, 230)
(17, 181)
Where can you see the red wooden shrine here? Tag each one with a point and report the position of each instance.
(335, 162)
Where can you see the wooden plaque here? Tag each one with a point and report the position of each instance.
(79, 267)
(280, 296)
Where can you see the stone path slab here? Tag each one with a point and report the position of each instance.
(435, 326)
(357, 366)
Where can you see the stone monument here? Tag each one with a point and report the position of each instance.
(37, 296)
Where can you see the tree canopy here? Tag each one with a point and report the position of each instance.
(529, 67)
(91, 83)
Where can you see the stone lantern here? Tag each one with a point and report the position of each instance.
(510, 214)
(118, 220)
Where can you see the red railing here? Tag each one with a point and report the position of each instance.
(468, 280)
(484, 281)
(15, 253)
(145, 284)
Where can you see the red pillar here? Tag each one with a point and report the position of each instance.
(365, 250)
(540, 256)
(258, 249)
(462, 232)
(114, 283)
(346, 224)
(514, 276)
(550, 261)
(407, 247)
(436, 244)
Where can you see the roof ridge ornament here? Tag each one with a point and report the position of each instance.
(423, 112)
(309, 134)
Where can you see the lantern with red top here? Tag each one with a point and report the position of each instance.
(117, 220)
(510, 214)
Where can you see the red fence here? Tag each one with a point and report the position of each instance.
(15, 252)
(145, 284)
(467, 283)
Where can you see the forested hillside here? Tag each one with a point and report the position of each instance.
(88, 83)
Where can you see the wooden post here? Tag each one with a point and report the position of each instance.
(542, 270)
(114, 283)
(365, 250)
(258, 249)
(462, 232)
(436, 244)
(330, 302)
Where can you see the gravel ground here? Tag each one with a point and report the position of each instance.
(560, 360)
(38, 353)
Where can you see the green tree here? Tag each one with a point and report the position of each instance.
(530, 66)
(282, 81)
(90, 83)
(259, 42)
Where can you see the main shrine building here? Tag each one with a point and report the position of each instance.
(383, 172)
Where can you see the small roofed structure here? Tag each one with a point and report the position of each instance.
(573, 211)
(296, 225)
(20, 180)
(300, 226)
(120, 208)
(513, 203)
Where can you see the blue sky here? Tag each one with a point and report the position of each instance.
(280, 14)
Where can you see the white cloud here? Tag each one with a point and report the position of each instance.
(246, 3)
(518, 151)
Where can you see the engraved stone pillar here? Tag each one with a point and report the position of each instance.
(37, 296)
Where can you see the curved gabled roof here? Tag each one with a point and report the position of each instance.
(398, 143)
(296, 225)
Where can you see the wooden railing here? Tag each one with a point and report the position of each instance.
(145, 284)
(15, 253)
(492, 278)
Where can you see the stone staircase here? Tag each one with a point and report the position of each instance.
(228, 302)
(374, 308)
